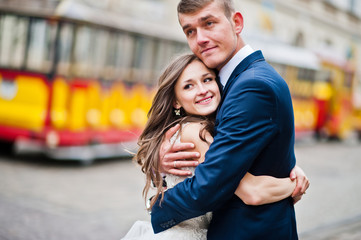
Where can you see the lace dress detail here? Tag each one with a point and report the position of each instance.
(191, 229)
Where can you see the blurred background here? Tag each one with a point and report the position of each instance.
(77, 79)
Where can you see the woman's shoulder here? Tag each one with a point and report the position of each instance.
(190, 131)
(191, 134)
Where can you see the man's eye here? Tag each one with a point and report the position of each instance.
(189, 32)
(209, 23)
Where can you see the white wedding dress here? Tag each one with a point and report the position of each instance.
(192, 229)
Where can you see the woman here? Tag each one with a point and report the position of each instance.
(189, 94)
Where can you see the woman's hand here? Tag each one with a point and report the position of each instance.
(173, 157)
(302, 183)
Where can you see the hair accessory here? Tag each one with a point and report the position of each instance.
(177, 112)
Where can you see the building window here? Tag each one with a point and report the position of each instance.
(299, 40)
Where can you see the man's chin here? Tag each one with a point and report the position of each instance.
(211, 64)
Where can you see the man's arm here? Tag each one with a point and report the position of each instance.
(253, 190)
(169, 153)
(180, 151)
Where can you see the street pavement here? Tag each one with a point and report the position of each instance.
(42, 199)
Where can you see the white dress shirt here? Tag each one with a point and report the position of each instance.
(226, 71)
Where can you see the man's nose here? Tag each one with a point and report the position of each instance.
(201, 37)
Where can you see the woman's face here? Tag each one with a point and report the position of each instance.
(196, 90)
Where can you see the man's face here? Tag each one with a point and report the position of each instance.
(210, 35)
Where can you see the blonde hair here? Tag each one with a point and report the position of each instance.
(160, 118)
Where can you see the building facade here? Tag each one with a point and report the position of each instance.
(331, 25)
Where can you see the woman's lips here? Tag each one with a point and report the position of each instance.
(205, 100)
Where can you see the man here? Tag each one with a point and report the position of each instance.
(254, 133)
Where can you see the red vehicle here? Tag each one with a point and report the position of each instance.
(322, 85)
(76, 89)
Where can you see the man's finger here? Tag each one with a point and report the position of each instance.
(186, 163)
(170, 157)
(172, 131)
(182, 146)
(180, 172)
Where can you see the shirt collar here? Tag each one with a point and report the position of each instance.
(226, 70)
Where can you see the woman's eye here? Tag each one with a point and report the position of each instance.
(188, 86)
(209, 23)
(208, 79)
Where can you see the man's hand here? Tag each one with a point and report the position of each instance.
(173, 157)
(302, 183)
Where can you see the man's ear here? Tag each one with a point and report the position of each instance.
(238, 22)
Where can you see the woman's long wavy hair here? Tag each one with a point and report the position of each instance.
(161, 117)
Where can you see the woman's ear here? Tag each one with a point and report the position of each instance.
(238, 22)
(176, 105)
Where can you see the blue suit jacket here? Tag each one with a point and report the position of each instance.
(254, 133)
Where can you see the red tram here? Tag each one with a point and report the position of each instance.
(76, 89)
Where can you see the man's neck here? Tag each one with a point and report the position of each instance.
(226, 71)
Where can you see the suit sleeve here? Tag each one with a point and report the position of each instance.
(247, 126)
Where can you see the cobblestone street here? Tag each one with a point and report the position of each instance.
(49, 200)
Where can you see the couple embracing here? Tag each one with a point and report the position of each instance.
(219, 142)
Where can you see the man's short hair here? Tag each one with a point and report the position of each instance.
(191, 6)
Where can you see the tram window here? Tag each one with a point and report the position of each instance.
(348, 79)
(143, 59)
(148, 64)
(159, 58)
(100, 41)
(164, 51)
(137, 54)
(124, 56)
(82, 52)
(41, 45)
(181, 48)
(65, 46)
(177, 49)
(165, 54)
(111, 55)
(306, 74)
(13, 33)
(323, 76)
(160, 55)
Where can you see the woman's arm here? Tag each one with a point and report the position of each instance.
(258, 190)
(253, 190)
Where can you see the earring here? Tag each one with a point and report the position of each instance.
(177, 112)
